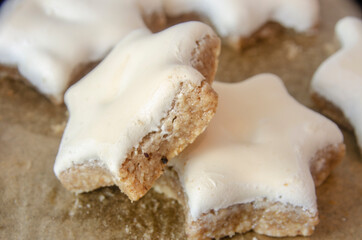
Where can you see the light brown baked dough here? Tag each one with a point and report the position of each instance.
(263, 216)
(269, 30)
(191, 111)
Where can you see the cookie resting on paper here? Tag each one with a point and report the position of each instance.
(141, 106)
(256, 165)
(337, 83)
(241, 22)
(50, 43)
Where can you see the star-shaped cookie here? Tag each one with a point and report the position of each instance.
(142, 105)
(256, 165)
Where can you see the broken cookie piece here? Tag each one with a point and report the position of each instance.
(256, 165)
(137, 109)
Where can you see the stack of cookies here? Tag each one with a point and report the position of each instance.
(147, 112)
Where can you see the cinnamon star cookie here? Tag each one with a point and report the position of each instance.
(256, 165)
(141, 106)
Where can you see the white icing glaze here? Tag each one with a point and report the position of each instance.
(126, 95)
(258, 145)
(240, 18)
(339, 78)
(48, 39)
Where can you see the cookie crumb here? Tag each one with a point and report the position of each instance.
(101, 198)
(108, 193)
(293, 50)
(76, 205)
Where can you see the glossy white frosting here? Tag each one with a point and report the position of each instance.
(126, 95)
(48, 39)
(241, 18)
(339, 78)
(258, 146)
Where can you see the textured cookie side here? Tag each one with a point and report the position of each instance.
(262, 216)
(193, 108)
(325, 160)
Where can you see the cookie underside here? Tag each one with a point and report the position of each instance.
(262, 216)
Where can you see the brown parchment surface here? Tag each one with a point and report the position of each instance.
(34, 205)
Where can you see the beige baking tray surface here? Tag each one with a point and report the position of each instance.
(34, 205)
